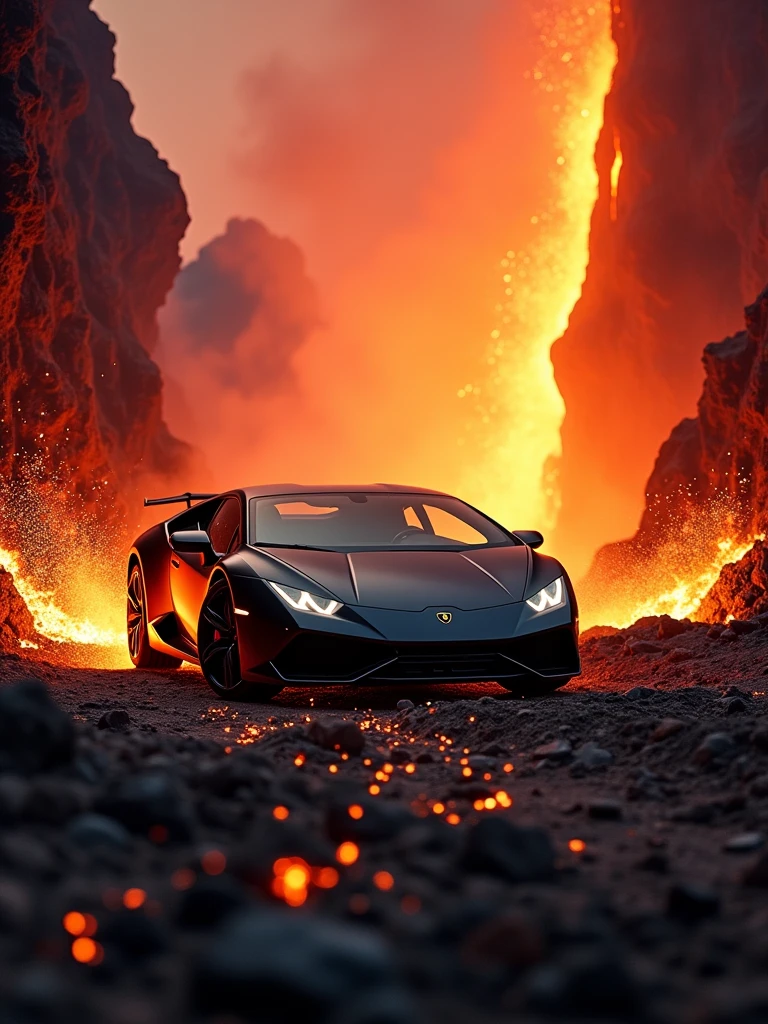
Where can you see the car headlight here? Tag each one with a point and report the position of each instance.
(550, 597)
(303, 601)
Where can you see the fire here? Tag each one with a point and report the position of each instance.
(51, 620)
(518, 408)
(682, 590)
(618, 163)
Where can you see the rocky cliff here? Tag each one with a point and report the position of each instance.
(679, 244)
(90, 221)
(707, 496)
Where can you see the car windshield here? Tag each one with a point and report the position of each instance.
(342, 522)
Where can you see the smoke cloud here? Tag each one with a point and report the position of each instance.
(406, 166)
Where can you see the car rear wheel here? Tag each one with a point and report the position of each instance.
(219, 651)
(532, 686)
(142, 655)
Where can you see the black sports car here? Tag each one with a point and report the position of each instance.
(267, 587)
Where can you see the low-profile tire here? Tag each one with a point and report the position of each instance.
(532, 686)
(142, 655)
(219, 650)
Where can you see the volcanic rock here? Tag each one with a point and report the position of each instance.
(605, 810)
(35, 734)
(590, 757)
(273, 966)
(497, 847)
(716, 747)
(90, 221)
(142, 802)
(345, 737)
(16, 622)
(670, 268)
(692, 903)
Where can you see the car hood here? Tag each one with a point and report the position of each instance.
(414, 580)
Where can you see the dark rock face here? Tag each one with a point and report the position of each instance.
(16, 623)
(710, 482)
(741, 590)
(90, 221)
(686, 250)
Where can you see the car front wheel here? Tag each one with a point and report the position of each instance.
(219, 651)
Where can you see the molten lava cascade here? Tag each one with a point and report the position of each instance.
(90, 221)
(707, 502)
(678, 245)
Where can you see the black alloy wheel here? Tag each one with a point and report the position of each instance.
(142, 655)
(219, 651)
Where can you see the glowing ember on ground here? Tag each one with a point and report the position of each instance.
(134, 898)
(347, 853)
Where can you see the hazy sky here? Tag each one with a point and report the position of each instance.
(183, 62)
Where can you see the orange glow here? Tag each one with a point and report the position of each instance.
(374, 790)
(438, 808)
(299, 760)
(280, 813)
(213, 862)
(333, 768)
(383, 880)
(356, 811)
(503, 799)
(410, 768)
(674, 582)
(577, 845)
(325, 878)
(509, 768)
(347, 853)
(86, 951)
(618, 163)
(466, 772)
(517, 407)
(102, 625)
(410, 904)
(134, 898)
(452, 818)
(183, 878)
(80, 924)
(291, 880)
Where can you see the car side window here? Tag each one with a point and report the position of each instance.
(225, 527)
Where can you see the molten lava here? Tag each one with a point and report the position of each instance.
(514, 433)
(98, 628)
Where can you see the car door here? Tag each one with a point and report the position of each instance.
(190, 572)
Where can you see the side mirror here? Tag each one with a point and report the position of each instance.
(193, 542)
(530, 537)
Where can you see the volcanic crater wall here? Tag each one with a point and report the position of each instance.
(679, 244)
(90, 221)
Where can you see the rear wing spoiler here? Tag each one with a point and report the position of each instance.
(175, 499)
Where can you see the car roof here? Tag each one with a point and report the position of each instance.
(268, 490)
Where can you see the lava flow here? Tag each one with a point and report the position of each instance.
(53, 623)
(515, 430)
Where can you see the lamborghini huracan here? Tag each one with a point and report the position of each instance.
(288, 585)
